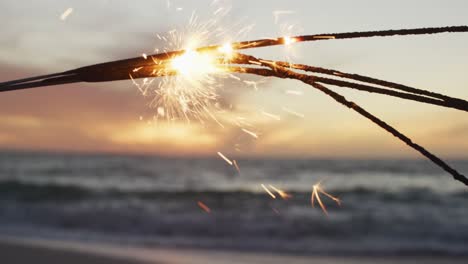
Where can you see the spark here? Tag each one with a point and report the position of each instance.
(287, 110)
(143, 91)
(228, 161)
(204, 207)
(144, 56)
(66, 13)
(275, 211)
(281, 193)
(251, 83)
(234, 77)
(137, 69)
(246, 29)
(161, 111)
(241, 121)
(254, 135)
(217, 11)
(268, 191)
(276, 117)
(293, 92)
(316, 191)
(236, 166)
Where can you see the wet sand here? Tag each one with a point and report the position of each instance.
(21, 251)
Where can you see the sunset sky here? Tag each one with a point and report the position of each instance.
(114, 117)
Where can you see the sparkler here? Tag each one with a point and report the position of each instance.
(119, 70)
(193, 63)
(282, 72)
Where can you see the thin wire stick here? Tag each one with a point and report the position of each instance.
(362, 78)
(30, 79)
(285, 73)
(61, 79)
(454, 103)
(119, 70)
(372, 89)
(350, 35)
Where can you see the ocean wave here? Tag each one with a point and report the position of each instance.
(30, 191)
(388, 207)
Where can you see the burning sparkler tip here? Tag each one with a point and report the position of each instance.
(288, 40)
(226, 49)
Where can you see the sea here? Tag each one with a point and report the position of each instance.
(388, 207)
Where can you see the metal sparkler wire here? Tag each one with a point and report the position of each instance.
(273, 69)
(119, 70)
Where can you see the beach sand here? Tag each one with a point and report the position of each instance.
(26, 251)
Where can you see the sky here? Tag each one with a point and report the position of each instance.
(115, 117)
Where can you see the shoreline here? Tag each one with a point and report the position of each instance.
(19, 250)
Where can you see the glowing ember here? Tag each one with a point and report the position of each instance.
(293, 92)
(66, 13)
(226, 50)
(272, 116)
(316, 190)
(204, 207)
(236, 166)
(268, 191)
(287, 110)
(161, 111)
(228, 161)
(281, 193)
(288, 40)
(254, 135)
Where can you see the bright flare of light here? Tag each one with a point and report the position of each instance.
(188, 85)
(227, 50)
(194, 65)
(193, 90)
(288, 40)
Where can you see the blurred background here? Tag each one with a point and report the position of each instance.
(87, 162)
